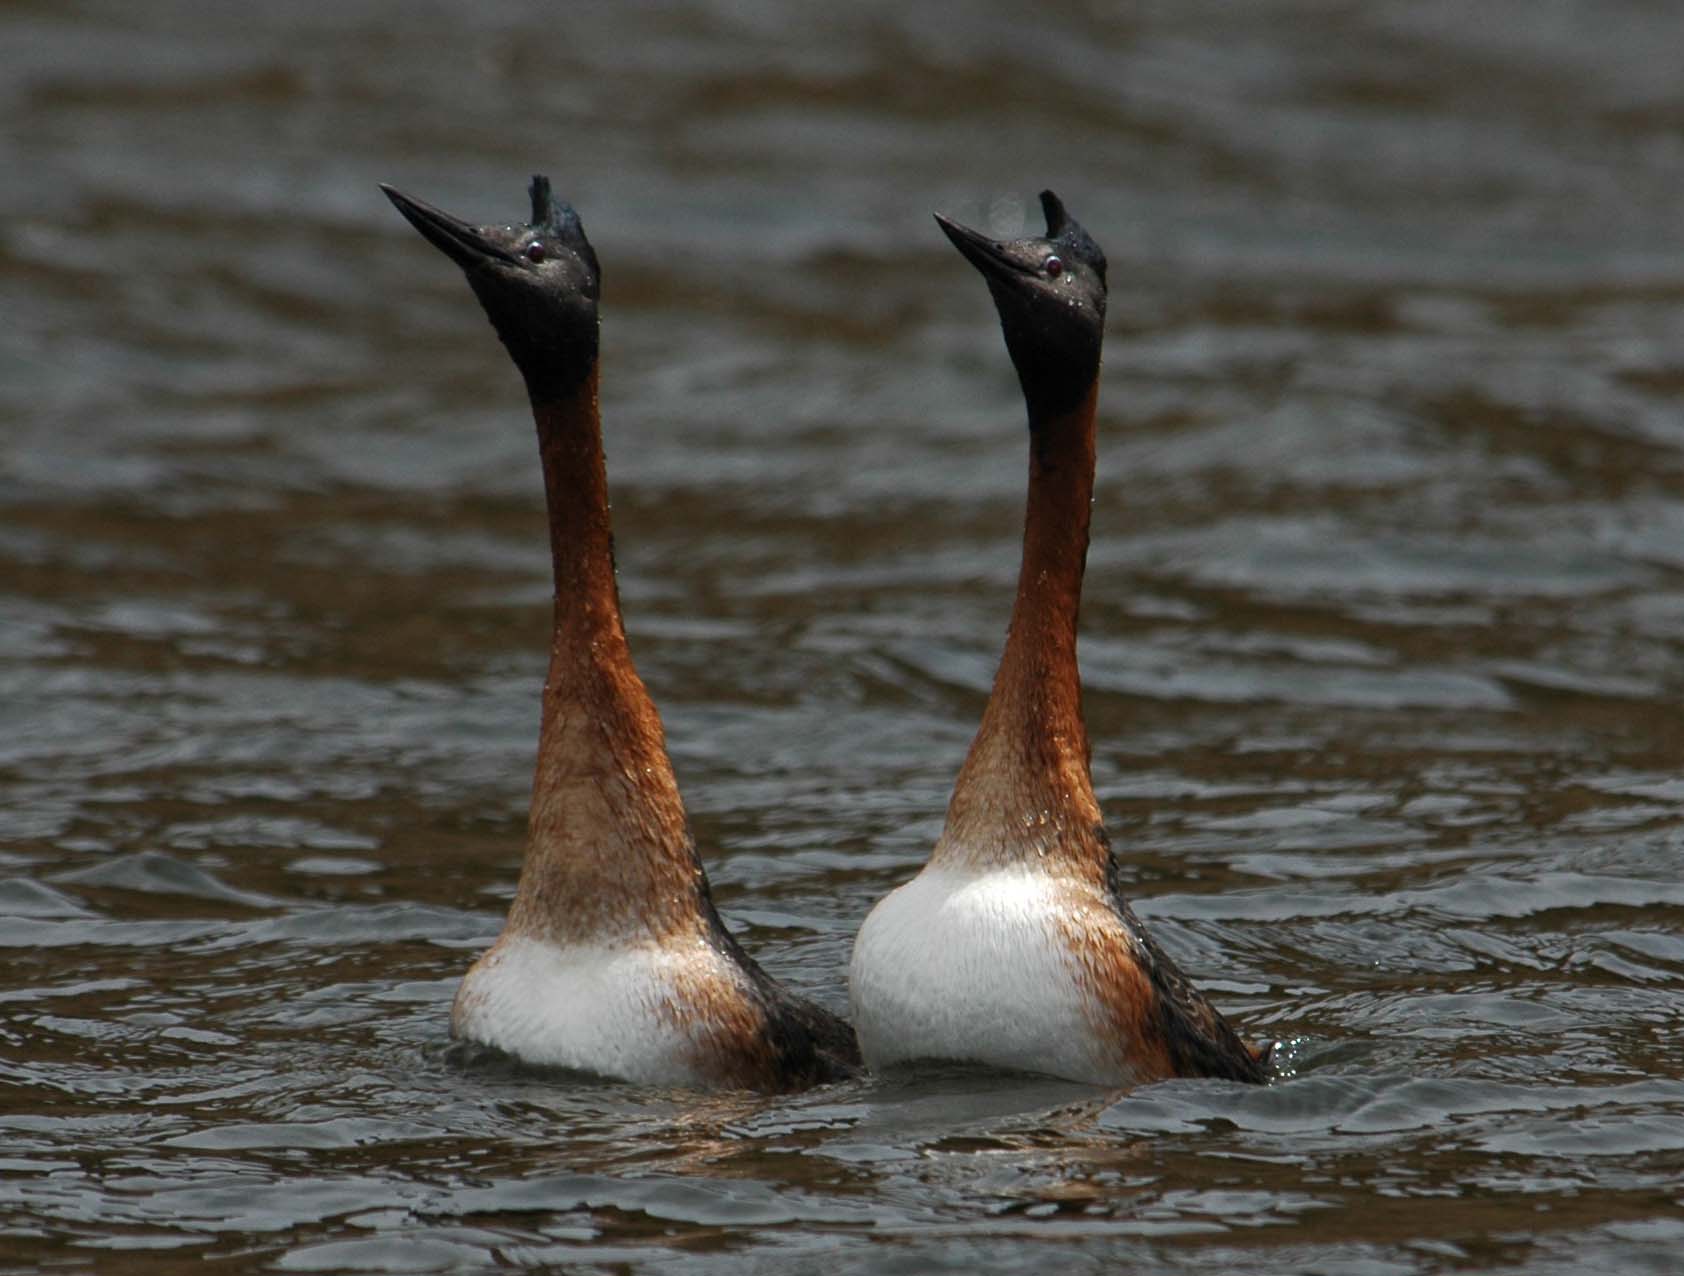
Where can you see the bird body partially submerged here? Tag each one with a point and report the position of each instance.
(1013, 946)
(980, 965)
(613, 959)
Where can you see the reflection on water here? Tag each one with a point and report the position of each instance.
(1382, 635)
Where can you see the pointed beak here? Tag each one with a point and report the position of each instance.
(987, 255)
(463, 244)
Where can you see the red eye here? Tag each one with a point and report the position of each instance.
(1053, 266)
(535, 252)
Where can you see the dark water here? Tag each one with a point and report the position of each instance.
(1384, 634)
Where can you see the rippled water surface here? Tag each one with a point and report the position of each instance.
(1383, 638)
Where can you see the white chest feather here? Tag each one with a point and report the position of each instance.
(616, 1012)
(975, 966)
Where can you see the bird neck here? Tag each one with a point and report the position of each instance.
(609, 850)
(587, 597)
(1024, 793)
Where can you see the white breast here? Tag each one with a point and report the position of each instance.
(611, 1011)
(973, 966)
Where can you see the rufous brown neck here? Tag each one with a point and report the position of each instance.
(609, 852)
(1025, 793)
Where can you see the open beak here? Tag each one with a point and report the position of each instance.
(466, 245)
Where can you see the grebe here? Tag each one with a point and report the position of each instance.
(1013, 947)
(613, 959)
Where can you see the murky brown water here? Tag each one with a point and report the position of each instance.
(1384, 634)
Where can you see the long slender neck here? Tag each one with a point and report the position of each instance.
(1025, 792)
(587, 599)
(608, 852)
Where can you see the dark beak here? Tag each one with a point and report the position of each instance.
(987, 255)
(463, 244)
